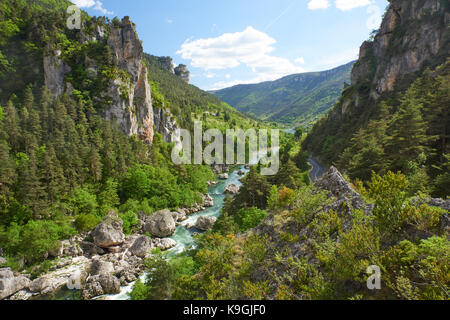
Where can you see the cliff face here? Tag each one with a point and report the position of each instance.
(411, 35)
(414, 36)
(128, 93)
(132, 102)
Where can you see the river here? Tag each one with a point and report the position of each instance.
(184, 236)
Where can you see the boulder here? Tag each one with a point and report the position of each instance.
(223, 176)
(205, 223)
(2, 261)
(99, 267)
(232, 189)
(142, 246)
(160, 224)
(165, 244)
(208, 201)
(9, 284)
(241, 172)
(109, 232)
(100, 285)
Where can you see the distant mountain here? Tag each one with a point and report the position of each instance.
(292, 100)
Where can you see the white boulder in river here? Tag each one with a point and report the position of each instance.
(109, 232)
(223, 176)
(160, 224)
(232, 189)
(205, 223)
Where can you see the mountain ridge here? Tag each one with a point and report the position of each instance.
(297, 99)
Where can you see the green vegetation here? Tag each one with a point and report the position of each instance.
(305, 250)
(293, 100)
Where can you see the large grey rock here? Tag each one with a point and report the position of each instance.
(232, 189)
(99, 267)
(2, 261)
(223, 176)
(109, 232)
(205, 223)
(9, 284)
(142, 246)
(160, 224)
(100, 285)
(165, 244)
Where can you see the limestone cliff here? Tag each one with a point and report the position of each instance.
(127, 92)
(411, 35)
(132, 102)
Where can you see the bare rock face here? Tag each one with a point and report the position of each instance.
(160, 224)
(9, 284)
(109, 232)
(183, 72)
(131, 104)
(54, 72)
(165, 124)
(335, 183)
(408, 53)
(142, 246)
(205, 223)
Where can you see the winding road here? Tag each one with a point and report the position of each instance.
(317, 170)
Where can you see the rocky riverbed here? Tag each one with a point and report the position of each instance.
(103, 261)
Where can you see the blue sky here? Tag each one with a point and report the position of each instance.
(229, 42)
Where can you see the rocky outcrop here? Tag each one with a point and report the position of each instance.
(205, 223)
(344, 193)
(10, 284)
(160, 224)
(183, 72)
(55, 71)
(131, 105)
(411, 35)
(166, 124)
(109, 232)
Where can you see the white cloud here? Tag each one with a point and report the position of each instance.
(375, 18)
(250, 47)
(318, 4)
(346, 5)
(94, 4)
(210, 75)
(228, 76)
(300, 60)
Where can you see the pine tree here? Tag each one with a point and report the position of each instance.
(409, 137)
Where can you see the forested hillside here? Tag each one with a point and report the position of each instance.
(64, 165)
(396, 115)
(188, 102)
(295, 100)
